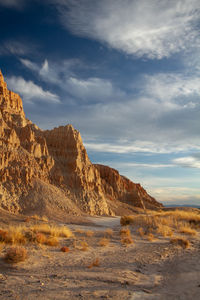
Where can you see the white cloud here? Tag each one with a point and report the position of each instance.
(140, 146)
(174, 89)
(188, 162)
(154, 29)
(29, 91)
(29, 64)
(92, 89)
(54, 73)
(120, 165)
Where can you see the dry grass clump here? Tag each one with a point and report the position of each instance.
(164, 223)
(89, 233)
(79, 230)
(95, 263)
(40, 238)
(188, 230)
(150, 237)
(3, 234)
(126, 238)
(109, 232)
(64, 249)
(15, 255)
(37, 218)
(125, 232)
(104, 242)
(52, 241)
(180, 241)
(57, 231)
(164, 230)
(126, 220)
(141, 232)
(81, 245)
(13, 235)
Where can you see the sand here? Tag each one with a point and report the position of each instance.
(143, 270)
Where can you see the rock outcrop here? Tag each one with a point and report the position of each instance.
(44, 171)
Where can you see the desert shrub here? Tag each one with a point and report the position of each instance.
(41, 238)
(109, 232)
(57, 231)
(179, 241)
(164, 230)
(30, 236)
(52, 241)
(64, 249)
(79, 230)
(104, 242)
(126, 240)
(187, 230)
(15, 235)
(141, 232)
(150, 237)
(15, 255)
(95, 263)
(81, 245)
(89, 233)
(124, 232)
(84, 246)
(3, 234)
(27, 220)
(126, 220)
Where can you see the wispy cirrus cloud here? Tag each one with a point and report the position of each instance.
(188, 161)
(92, 89)
(17, 47)
(30, 91)
(12, 3)
(153, 29)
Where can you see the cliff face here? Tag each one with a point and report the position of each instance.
(44, 171)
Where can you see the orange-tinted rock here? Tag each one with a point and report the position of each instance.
(50, 170)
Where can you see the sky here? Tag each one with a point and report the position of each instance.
(125, 73)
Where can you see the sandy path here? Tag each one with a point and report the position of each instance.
(105, 222)
(144, 270)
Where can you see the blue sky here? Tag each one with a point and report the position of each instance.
(125, 73)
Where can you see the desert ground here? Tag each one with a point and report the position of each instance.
(104, 260)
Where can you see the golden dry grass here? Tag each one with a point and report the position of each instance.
(180, 241)
(57, 231)
(95, 263)
(13, 235)
(126, 220)
(15, 255)
(164, 223)
(125, 235)
(187, 230)
(37, 218)
(109, 232)
(104, 242)
(52, 241)
(89, 233)
(81, 245)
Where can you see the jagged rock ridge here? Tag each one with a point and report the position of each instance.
(49, 171)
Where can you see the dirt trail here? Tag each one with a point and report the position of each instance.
(143, 270)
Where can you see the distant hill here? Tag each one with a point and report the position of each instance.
(183, 205)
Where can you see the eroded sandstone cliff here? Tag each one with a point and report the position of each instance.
(49, 171)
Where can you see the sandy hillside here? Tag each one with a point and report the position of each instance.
(144, 269)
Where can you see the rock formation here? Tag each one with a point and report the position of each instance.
(49, 171)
